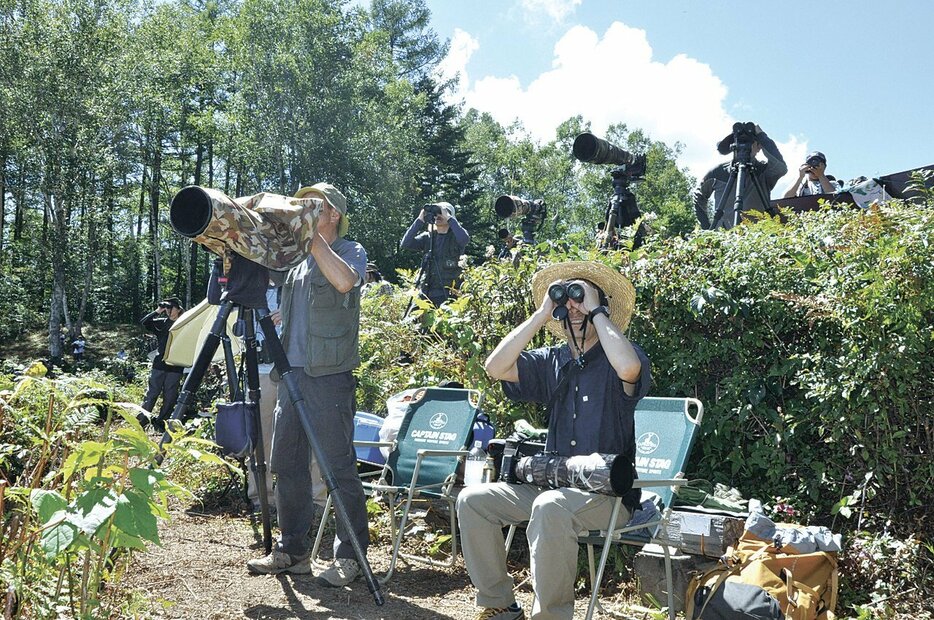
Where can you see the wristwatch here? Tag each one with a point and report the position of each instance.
(599, 310)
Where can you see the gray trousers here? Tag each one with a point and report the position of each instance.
(331, 405)
(555, 517)
(167, 384)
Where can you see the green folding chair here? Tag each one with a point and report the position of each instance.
(423, 462)
(665, 431)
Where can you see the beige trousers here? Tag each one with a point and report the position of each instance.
(555, 517)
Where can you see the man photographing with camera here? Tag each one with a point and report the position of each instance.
(812, 177)
(443, 243)
(590, 385)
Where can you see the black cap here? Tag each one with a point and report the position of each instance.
(172, 302)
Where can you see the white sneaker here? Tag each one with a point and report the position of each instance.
(340, 573)
(279, 562)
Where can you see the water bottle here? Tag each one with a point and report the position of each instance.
(473, 466)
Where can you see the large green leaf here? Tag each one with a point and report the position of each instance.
(47, 503)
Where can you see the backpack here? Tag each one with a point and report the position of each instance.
(757, 580)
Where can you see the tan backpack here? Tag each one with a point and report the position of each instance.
(762, 582)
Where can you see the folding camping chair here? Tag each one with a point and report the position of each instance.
(423, 462)
(665, 432)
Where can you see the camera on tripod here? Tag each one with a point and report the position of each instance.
(622, 210)
(590, 149)
(532, 213)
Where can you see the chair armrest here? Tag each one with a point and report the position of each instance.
(423, 453)
(661, 482)
(374, 444)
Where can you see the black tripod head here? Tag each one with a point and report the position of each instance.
(623, 202)
(247, 282)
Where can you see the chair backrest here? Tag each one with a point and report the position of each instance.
(437, 419)
(665, 432)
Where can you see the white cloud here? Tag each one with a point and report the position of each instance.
(555, 10)
(463, 45)
(614, 79)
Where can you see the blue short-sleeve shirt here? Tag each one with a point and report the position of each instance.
(592, 412)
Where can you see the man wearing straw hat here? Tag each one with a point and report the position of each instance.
(591, 385)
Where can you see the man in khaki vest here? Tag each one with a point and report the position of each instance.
(320, 315)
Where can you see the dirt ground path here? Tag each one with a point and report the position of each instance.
(199, 572)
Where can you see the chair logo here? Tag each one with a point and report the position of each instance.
(438, 420)
(648, 443)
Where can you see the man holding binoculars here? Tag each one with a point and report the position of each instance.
(590, 385)
(444, 244)
(163, 378)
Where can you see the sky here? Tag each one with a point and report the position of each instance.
(851, 79)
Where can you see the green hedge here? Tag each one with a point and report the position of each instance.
(809, 343)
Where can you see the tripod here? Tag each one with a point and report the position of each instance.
(742, 171)
(621, 210)
(246, 292)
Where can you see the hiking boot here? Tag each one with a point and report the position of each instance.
(513, 612)
(279, 562)
(158, 425)
(143, 420)
(340, 573)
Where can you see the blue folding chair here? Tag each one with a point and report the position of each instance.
(423, 462)
(665, 432)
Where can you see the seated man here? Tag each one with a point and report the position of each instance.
(812, 177)
(591, 385)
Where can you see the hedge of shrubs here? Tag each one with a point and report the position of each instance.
(810, 343)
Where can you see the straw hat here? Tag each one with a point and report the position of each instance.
(620, 293)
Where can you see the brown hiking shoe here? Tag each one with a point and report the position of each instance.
(513, 612)
(279, 562)
(340, 573)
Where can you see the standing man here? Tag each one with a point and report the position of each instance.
(591, 385)
(446, 239)
(320, 316)
(163, 378)
(764, 174)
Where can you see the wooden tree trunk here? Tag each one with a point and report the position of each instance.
(154, 221)
(3, 159)
(58, 304)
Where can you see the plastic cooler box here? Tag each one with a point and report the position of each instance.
(366, 428)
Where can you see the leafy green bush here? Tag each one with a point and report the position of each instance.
(77, 490)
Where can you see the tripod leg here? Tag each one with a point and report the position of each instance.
(718, 211)
(277, 353)
(742, 177)
(205, 355)
(258, 458)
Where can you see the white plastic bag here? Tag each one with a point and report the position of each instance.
(396, 406)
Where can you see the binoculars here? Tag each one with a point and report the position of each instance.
(560, 292)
